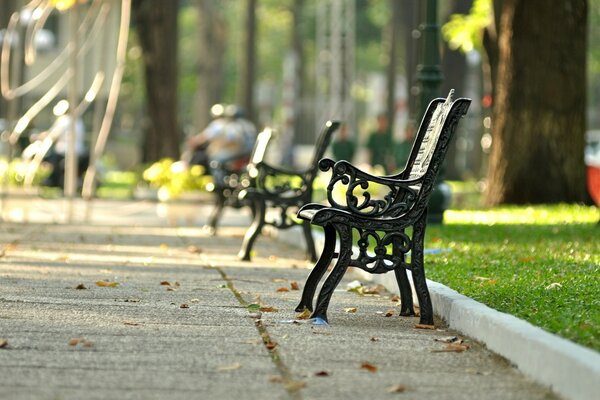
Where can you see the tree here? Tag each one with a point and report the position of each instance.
(211, 47)
(248, 71)
(539, 105)
(156, 26)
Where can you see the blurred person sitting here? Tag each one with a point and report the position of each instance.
(228, 138)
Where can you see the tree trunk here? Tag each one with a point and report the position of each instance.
(247, 94)
(539, 114)
(156, 26)
(211, 50)
(298, 49)
(393, 39)
(411, 22)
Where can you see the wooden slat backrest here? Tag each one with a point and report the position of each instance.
(432, 135)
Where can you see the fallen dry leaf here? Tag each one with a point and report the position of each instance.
(395, 298)
(377, 289)
(369, 367)
(87, 343)
(389, 313)
(170, 289)
(397, 389)
(184, 306)
(74, 341)
(294, 385)
(81, 286)
(3, 343)
(294, 285)
(131, 323)
(267, 309)
(107, 284)
(554, 285)
(374, 339)
(350, 309)
(10, 246)
(453, 348)
(304, 314)
(283, 289)
(230, 367)
(447, 339)
(195, 301)
(194, 250)
(276, 379)
(270, 345)
(424, 326)
(165, 283)
(322, 373)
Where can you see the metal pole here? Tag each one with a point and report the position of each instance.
(429, 75)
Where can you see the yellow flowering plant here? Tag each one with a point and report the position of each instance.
(172, 178)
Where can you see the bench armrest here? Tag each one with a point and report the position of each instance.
(277, 181)
(358, 192)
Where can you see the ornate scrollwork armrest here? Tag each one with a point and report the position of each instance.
(359, 192)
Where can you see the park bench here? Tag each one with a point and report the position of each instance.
(382, 217)
(279, 193)
(231, 177)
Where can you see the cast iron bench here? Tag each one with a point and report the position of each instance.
(230, 178)
(284, 192)
(383, 216)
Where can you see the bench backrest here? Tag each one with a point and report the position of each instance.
(431, 143)
(260, 146)
(321, 145)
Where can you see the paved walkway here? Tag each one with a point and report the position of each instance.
(129, 307)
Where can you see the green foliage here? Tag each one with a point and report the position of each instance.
(118, 185)
(541, 264)
(464, 32)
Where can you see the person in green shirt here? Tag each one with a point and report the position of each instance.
(343, 148)
(380, 144)
(403, 147)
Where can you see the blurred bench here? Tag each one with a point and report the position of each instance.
(283, 192)
(383, 217)
(231, 177)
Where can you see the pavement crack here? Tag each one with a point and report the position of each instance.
(292, 386)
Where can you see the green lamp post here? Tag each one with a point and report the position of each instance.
(429, 75)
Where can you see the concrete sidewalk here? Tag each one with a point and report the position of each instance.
(128, 307)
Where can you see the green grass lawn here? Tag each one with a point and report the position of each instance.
(541, 264)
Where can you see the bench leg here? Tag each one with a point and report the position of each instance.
(253, 231)
(336, 275)
(308, 293)
(311, 253)
(406, 301)
(418, 272)
(217, 211)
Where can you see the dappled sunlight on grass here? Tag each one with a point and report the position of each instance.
(551, 214)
